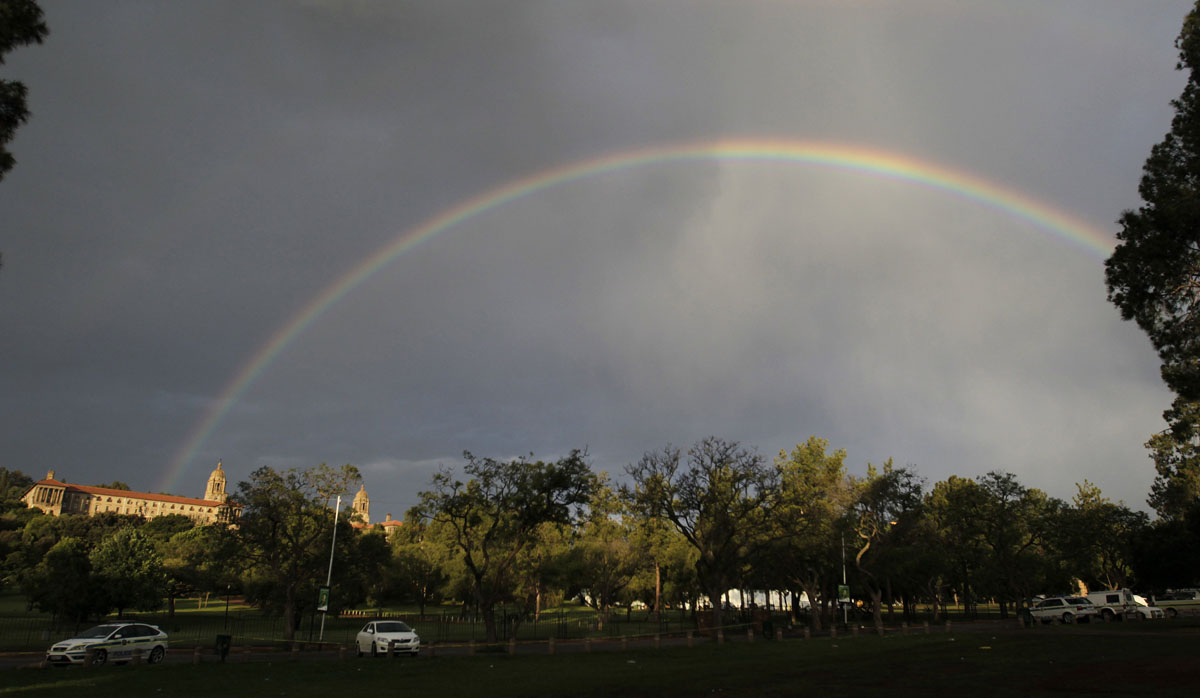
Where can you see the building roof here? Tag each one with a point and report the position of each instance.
(390, 523)
(109, 492)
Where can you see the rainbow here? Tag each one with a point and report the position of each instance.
(850, 158)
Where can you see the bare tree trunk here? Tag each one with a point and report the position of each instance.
(290, 614)
(657, 589)
(814, 613)
(876, 608)
(890, 598)
(715, 594)
(489, 623)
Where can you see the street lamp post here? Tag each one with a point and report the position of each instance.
(843, 603)
(329, 576)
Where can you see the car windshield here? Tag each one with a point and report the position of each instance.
(98, 631)
(392, 627)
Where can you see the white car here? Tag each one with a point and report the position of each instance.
(111, 642)
(378, 635)
(1067, 609)
(1179, 601)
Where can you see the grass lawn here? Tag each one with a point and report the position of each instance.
(1121, 659)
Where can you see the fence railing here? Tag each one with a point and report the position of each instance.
(249, 627)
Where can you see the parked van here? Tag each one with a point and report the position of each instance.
(1179, 601)
(1118, 603)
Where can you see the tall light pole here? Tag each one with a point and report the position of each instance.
(337, 508)
(847, 601)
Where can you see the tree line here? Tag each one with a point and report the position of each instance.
(681, 529)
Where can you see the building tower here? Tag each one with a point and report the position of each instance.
(362, 505)
(215, 492)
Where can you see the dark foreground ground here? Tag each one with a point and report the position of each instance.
(1160, 658)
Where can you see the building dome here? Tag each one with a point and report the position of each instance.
(362, 504)
(215, 492)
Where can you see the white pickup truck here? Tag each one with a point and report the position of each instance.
(1117, 604)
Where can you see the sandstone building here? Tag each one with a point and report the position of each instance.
(361, 513)
(57, 497)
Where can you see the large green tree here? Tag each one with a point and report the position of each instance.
(20, 24)
(607, 553)
(1153, 277)
(285, 532)
(62, 583)
(491, 518)
(885, 513)
(128, 572)
(13, 484)
(1016, 523)
(1176, 454)
(720, 498)
(815, 495)
(417, 572)
(1165, 554)
(360, 563)
(40, 532)
(667, 573)
(198, 559)
(1099, 536)
(543, 570)
(955, 511)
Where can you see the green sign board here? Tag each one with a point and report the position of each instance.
(843, 593)
(323, 600)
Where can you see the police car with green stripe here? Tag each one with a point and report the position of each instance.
(111, 642)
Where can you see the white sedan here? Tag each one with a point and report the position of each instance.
(1067, 609)
(378, 636)
(115, 642)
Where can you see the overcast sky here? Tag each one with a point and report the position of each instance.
(194, 174)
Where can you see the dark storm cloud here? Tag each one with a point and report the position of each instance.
(194, 173)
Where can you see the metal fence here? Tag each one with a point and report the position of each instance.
(253, 628)
(249, 627)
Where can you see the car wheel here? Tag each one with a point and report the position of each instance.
(1067, 619)
(156, 655)
(374, 649)
(100, 658)
(1108, 615)
(1172, 613)
(358, 648)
